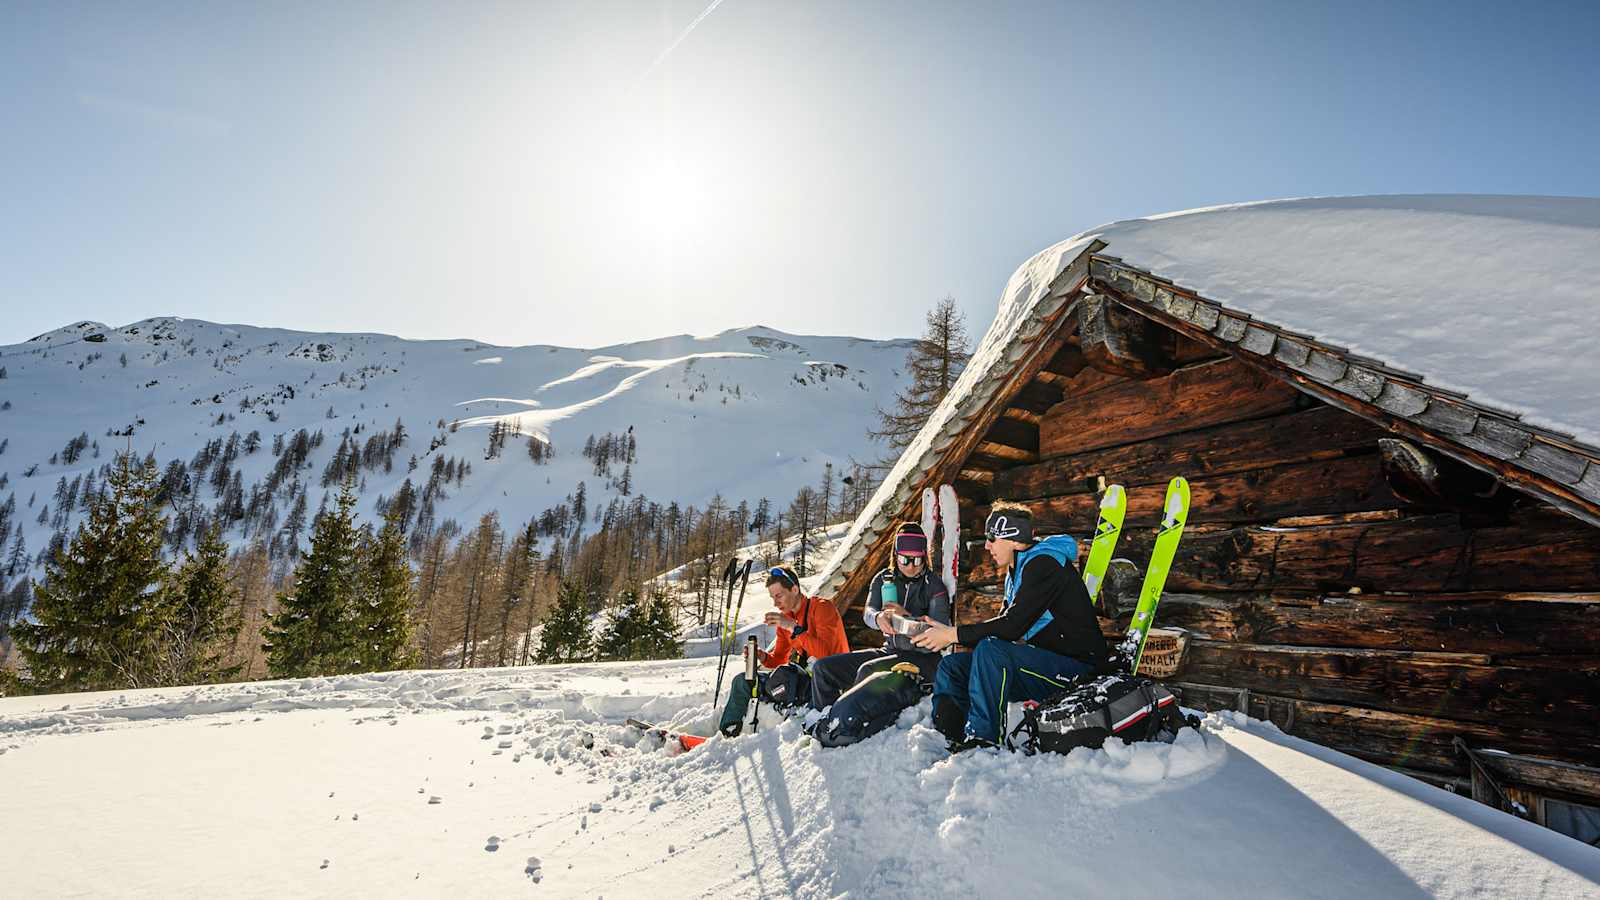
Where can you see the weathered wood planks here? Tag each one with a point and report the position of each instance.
(1198, 396)
(1232, 447)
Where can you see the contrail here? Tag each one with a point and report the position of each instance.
(674, 45)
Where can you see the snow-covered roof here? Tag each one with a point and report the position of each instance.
(1492, 298)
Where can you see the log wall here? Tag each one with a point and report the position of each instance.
(1317, 596)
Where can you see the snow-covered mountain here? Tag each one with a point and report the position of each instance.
(748, 413)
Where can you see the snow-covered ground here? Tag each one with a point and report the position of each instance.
(760, 412)
(484, 783)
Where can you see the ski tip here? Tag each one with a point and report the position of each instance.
(1177, 497)
(1112, 497)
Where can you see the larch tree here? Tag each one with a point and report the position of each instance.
(934, 364)
(203, 620)
(381, 620)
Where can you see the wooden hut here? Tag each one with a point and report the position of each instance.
(1372, 562)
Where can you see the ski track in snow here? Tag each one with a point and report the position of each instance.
(506, 781)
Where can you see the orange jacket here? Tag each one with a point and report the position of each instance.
(821, 633)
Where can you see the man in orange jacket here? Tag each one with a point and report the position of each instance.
(808, 628)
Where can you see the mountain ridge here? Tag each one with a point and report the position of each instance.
(747, 413)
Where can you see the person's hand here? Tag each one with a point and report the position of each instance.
(886, 623)
(895, 609)
(780, 621)
(937, 637)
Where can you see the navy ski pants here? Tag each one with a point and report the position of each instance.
(995, 673)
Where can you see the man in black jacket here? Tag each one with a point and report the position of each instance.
(897, 600)
(1046, 634)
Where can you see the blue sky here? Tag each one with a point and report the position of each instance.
(523, 173)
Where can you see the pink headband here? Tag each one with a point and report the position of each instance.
(911, 545)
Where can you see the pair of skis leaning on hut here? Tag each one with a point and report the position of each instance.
(1046, 634)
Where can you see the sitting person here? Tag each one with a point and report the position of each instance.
(902, 594)
(1045, 635)
(808, 627)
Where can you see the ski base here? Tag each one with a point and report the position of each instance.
(686, 741)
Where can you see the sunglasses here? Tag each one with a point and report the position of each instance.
(905, 560)
(782, 574)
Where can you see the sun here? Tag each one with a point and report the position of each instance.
(668, 200)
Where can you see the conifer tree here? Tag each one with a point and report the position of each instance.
(622, 637)
(311, 632)
(565, 637)
(641, 628)
(203, 621)
(934, 364)
(99, 613)
(382, 620)
(660, 639)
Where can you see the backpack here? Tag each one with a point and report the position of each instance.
(870, 706)
(1099, 707)
(788, 685)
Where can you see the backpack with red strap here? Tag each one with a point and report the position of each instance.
(1099, 707)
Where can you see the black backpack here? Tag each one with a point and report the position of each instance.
(870, 706)
(1098, 707)
(788, 685)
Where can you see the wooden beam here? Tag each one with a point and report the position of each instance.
(1006, 452)
(1197, 397)
(1321, 433)
(1338, 485)
(1426, 553)
(1426, 478)
(1386, 737)
(1122, 343)
(1022, 415)
(1558, 626)
(1460, 687)
(1568, 778)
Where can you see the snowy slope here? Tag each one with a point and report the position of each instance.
(430, 784)
(750, 413)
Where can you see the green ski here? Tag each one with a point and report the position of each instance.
(1173, 516)
(1113, 505)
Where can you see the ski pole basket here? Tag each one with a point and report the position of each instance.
(1163, 653)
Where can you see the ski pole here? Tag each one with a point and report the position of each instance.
(743, 577)
(722, 628)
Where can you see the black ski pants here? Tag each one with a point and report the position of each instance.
(833, 675)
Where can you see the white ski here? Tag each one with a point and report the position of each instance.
(950, 545)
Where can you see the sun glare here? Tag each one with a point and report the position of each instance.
(668, 201)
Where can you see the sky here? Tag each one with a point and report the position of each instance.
(590, 173)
